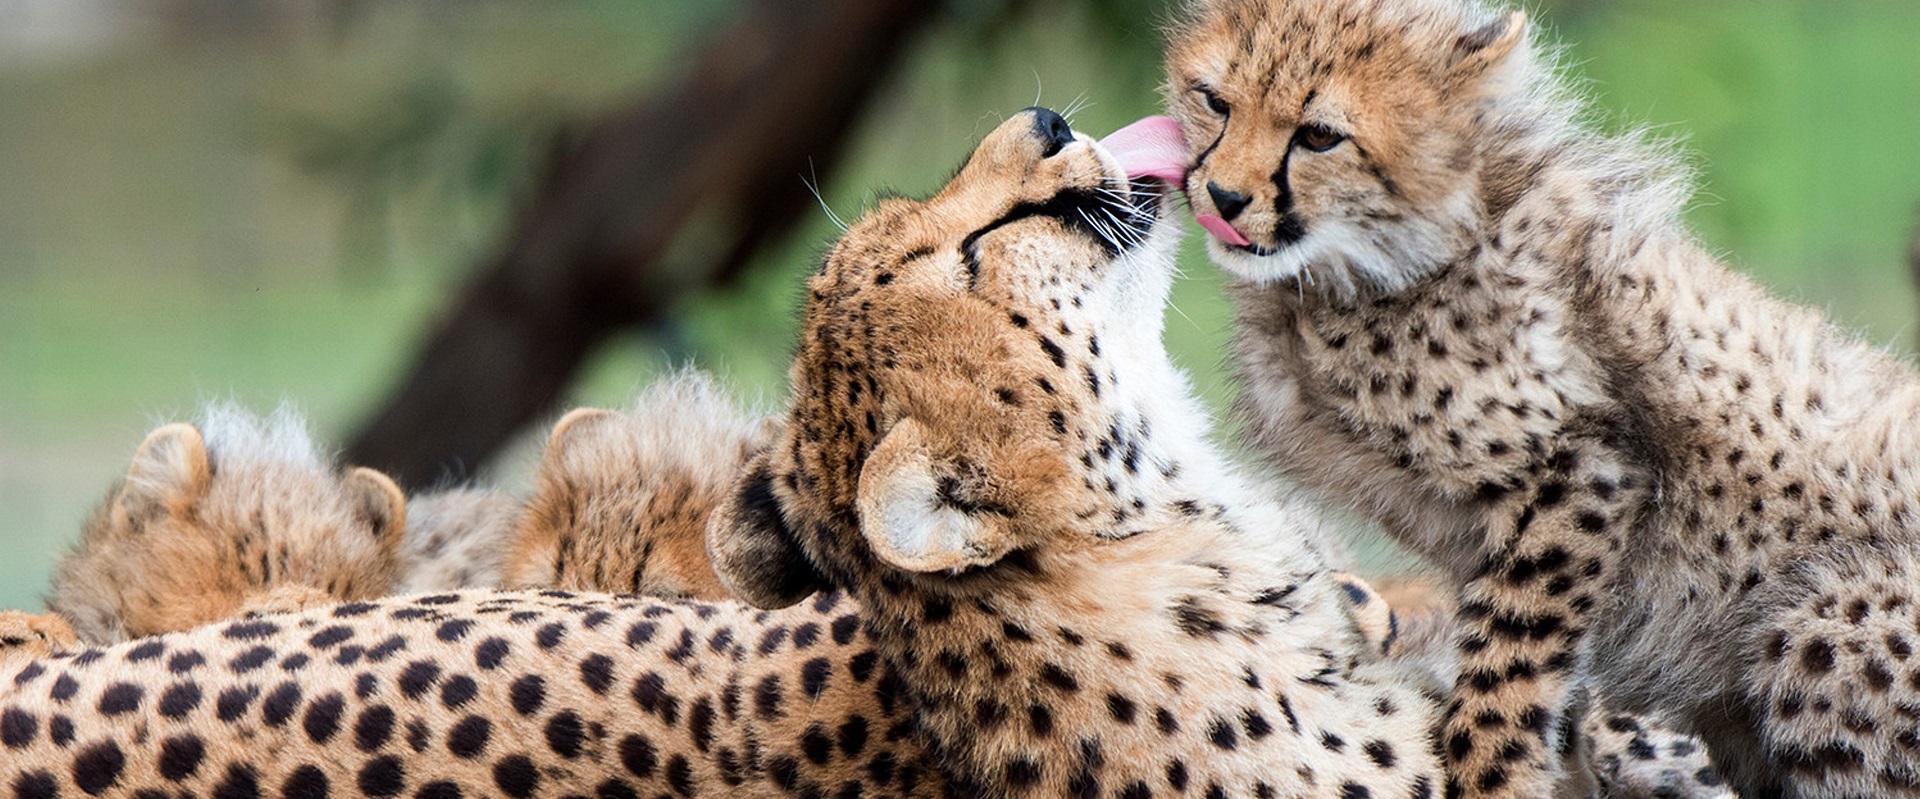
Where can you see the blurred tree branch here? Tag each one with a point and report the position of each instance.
(769, 98)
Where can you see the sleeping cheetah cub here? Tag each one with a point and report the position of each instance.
(234, 515)
(1486, 327)
(622, 499)
(1031, 622)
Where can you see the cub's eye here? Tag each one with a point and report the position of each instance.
(1214, 103)
(1318, 138)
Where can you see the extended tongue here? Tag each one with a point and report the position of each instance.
(1222, 230)
(1150, 148)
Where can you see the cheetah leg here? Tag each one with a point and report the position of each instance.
(24, 636)
(1836, 678)
(1556, 546)
(1635, 757)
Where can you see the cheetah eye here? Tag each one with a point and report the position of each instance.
(1318, 138)
(1214, 103)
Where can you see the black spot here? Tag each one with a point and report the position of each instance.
(528, 694)
(280, 705)
(1256, 725)
(516, 776)
(1057, 677)
(454, 630)
(36, 785)
(1380, 753)
(323, 717)
(853, 735)
(861, 665)
(816, 745)
(468, 738)
(680, 775)
(1164, 720)
(766, 697)
(146, 651)
(17, 728)
(457, 691)
(233, 702)
(251, 659)
(1223, 735)
(549, 636)
(373, 728)
(565, 734)
(1350, 790)
(1022, 773)
(813, 677)
(615, 789)
(489, 653)
(180, 756)
(64, 687)
(382, 777)
(240, 782)
(60, 730)
(1121, 708)
(250, 630)
(97, 767)
(438, 789)
(418, 678)
(700, 723)
(306, 782)
(1040, 719)
(638, 756)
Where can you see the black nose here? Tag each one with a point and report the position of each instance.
(1229, 203)
(1052, 130)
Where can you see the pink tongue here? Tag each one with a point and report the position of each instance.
(1222, 230)
(1150, 148)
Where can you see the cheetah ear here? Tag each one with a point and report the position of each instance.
(1378, 624)
(587, 441)
(170, 472)
(377, 502)
(912, 514)
(754, 552)
(1478, 51)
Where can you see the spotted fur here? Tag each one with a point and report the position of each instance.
(1190, 644)
(456, 538)
(235, 515)
(1485, 326)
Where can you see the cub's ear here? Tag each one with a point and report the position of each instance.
(170, 472)
(914, 513)
(587, 442)
(377, 502)
(1478, 51)
(752, 548)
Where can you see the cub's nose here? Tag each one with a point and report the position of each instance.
(1228, 203)
(1052, 130)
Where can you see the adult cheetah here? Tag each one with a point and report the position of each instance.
(1484, 325)
(1064, 589)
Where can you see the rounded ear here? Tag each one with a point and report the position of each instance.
(914, 514)
(752, 548)
(377, 502)
(588, 441)
(170, 472)
(1378, 624)
(1480, 50)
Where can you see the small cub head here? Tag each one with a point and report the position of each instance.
(946, 370)
(1338, 138)
(234, 515)
(623, 498)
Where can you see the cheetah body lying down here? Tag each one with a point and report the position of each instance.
(1063, 588)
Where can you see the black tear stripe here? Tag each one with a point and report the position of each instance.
(1067, 208)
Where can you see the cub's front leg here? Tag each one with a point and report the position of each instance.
(1554, 539)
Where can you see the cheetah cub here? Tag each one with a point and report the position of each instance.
(622, 498)
(237, 514)
(1062, 589)
(1485, 326)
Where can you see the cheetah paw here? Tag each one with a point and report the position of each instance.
(24, 636)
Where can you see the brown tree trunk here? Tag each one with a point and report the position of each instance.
(770, 98)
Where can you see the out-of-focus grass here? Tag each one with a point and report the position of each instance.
(161, 245)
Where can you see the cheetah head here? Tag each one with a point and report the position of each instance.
(956, 353)
(1336, 142)
(235, 514)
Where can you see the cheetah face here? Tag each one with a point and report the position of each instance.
(1334, 142)
(947, 348)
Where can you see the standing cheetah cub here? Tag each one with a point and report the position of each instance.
(1486, 327)
(234, 515)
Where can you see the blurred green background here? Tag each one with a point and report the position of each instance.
(207, 200)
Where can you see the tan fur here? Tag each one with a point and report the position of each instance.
(456, 538)
(1486, 327)
(1190, 644)
(249, 518)
(622, 499)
